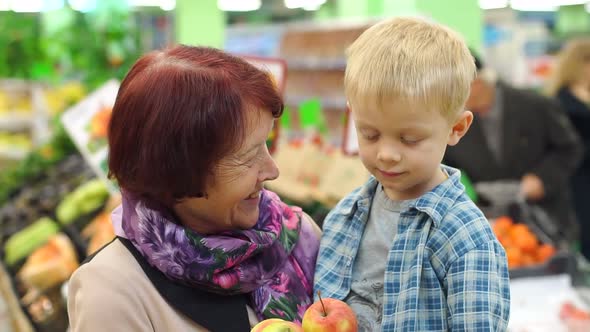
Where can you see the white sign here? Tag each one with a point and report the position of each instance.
(87, 123)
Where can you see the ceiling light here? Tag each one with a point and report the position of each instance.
(305, 4)
(543, 5)
(534, 6)
(167, 5)
(27, 6)
(4, 5)
(239, 5)
(83, 5)
(493, 4)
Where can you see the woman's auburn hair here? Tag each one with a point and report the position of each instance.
(177, 113)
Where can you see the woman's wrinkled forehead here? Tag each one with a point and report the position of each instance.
(258, 124)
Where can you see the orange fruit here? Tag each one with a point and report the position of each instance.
(518, 231)
(545, 252)
(506, 241)
(527, 242)
(515, 257)
(528, 259)
(502, 225)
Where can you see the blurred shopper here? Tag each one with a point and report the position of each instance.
(570, 83)
(521, 136)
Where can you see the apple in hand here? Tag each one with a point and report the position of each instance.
(329, 315)
(276, 325)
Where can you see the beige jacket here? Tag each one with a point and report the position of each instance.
(112, 293)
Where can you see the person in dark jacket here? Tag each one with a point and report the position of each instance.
(520, 136)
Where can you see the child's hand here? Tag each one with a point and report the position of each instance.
(532, 188)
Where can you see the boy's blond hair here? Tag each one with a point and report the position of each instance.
(568, 67)
(413, 60)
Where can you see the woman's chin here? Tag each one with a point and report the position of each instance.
(248, 218)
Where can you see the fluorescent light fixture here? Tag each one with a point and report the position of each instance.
(144, 3)
(163, 4)
(83, 5)
(311, 8)
(543, 5)
(571, 2)
(27, 6)
(239, 5)
(305, 4)
(534, 6)
(493, 4)
(52, 5)
(4, 5)
(167, 5)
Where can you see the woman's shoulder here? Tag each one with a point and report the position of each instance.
(113, 259)
(106, 290)
(111, 270)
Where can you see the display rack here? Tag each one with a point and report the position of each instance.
(315, 56)
(23, 110)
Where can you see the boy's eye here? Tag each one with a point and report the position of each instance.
(410, 140)
(370, 137)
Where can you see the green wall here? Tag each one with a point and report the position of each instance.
(199, 22)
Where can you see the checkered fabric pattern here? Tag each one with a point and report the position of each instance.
(446, 271)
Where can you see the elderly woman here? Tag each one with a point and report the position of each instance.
(201, 245)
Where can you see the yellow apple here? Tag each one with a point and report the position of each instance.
(276, 325)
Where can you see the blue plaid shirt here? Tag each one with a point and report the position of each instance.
(445, 271)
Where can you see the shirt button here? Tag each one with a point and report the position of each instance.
(348, 262)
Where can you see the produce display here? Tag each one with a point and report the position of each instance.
(38, 161)
(47, 226)
(523, 248)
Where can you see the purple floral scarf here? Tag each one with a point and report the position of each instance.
(273, 262)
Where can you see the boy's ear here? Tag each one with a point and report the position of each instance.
(460, 127)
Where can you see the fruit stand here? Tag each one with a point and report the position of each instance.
(51, 204)
(48, 227)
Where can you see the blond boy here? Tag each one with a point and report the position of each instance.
(408, 251)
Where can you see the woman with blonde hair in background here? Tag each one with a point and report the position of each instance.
(570, 83)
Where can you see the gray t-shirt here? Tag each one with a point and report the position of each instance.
(368, 273)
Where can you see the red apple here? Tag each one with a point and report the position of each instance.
(329, 315)
(276, 325)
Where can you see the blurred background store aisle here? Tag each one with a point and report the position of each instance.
(61, 62)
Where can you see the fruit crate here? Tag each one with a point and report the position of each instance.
(502, 199)
(561, 261)
(39, 199)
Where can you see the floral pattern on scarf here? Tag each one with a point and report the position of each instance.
(273, 262)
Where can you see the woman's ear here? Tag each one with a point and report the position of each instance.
(460, 127)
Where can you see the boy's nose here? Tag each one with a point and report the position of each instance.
(388, 154)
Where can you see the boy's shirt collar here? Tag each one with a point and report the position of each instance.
(434, 203)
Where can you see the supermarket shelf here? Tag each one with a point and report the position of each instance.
(316, 63)
(15, 120)
(13, 153)
(338, 102)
